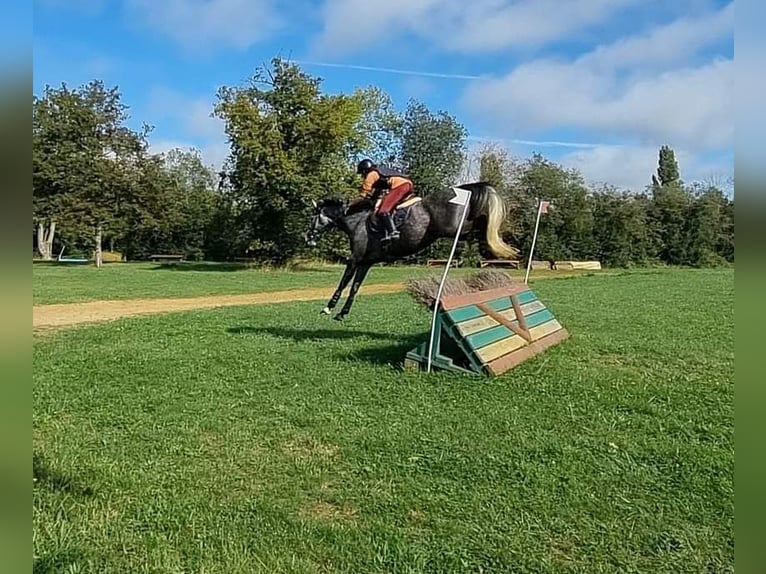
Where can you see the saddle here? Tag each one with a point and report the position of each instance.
(408, 202)
(399, 215)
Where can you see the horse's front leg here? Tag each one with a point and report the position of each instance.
(361, 273)
(348, 273)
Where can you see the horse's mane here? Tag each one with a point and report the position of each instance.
(332, 201)
(363, 205)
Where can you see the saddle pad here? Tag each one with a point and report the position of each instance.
(406, 203)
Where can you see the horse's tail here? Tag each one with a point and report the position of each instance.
(486, 201)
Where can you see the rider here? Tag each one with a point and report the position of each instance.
(396, 185)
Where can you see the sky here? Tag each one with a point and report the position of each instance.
(598, 85)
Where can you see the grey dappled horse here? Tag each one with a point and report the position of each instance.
(434, 217)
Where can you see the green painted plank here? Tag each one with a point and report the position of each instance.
(538, 318)
(501, 304)
(500, 332)
(526, 297)
(473, 312)
(464, 313)
(489, 336)
(463, 345)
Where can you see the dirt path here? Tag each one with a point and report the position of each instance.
(69, 314)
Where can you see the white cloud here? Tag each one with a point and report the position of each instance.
(629, 89)
(213, 153)
(417, 87)
(664, 45)
(192, 113)
(99, 66)
(164, 145)
(627, 167)
(203, 24)
(457, 25)
(751, 92)
(196, 25)
(631, 166)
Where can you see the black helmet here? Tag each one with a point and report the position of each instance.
(364, 166)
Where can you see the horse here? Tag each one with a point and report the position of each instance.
(420, 223)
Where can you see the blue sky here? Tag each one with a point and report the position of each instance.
(594, 84)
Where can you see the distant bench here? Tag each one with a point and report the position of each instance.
(166, 258)
(434, 262)
(578, 265)
(513, 264)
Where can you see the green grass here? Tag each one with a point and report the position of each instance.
(62, 284)
(270, 439)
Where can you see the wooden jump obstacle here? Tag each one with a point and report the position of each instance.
(512, 263)
(71, 260)
(166, 257)
(440, 262)
(489, 332)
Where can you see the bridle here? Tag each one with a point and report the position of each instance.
(320, 223)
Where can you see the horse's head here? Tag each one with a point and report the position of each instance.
(326, 215)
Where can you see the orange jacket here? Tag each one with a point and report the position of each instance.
(373, 181)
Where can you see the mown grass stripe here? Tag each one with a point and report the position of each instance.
(221, 441)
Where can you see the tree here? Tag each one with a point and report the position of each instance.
(178, 199)
(621, 232)
(670, 207)
(432, 147)
(667, 170)
(567, 230)
(492, 168)
(382, 128)
(289, 144)
(709, 228)
(504, 173)
(433, 156)
(191, 198)
(725, 247)
(84, 163)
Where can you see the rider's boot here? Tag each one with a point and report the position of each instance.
(391, 231)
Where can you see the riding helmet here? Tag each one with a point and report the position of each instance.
(364, 166)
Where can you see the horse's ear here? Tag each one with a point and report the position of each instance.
(314, 203)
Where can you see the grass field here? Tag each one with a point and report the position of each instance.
(62, 284)
(269, 439)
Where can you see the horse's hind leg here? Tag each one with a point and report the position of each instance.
(361, 273)
(348, 273)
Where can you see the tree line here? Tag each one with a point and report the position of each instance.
(96, 185)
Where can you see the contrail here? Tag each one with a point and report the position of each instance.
(543, 143)
(557, 143)
(392, 70)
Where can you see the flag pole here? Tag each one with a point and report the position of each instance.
(463, 197)
(534, 239)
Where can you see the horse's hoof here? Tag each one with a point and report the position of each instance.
(339, 317)
(326, 311)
